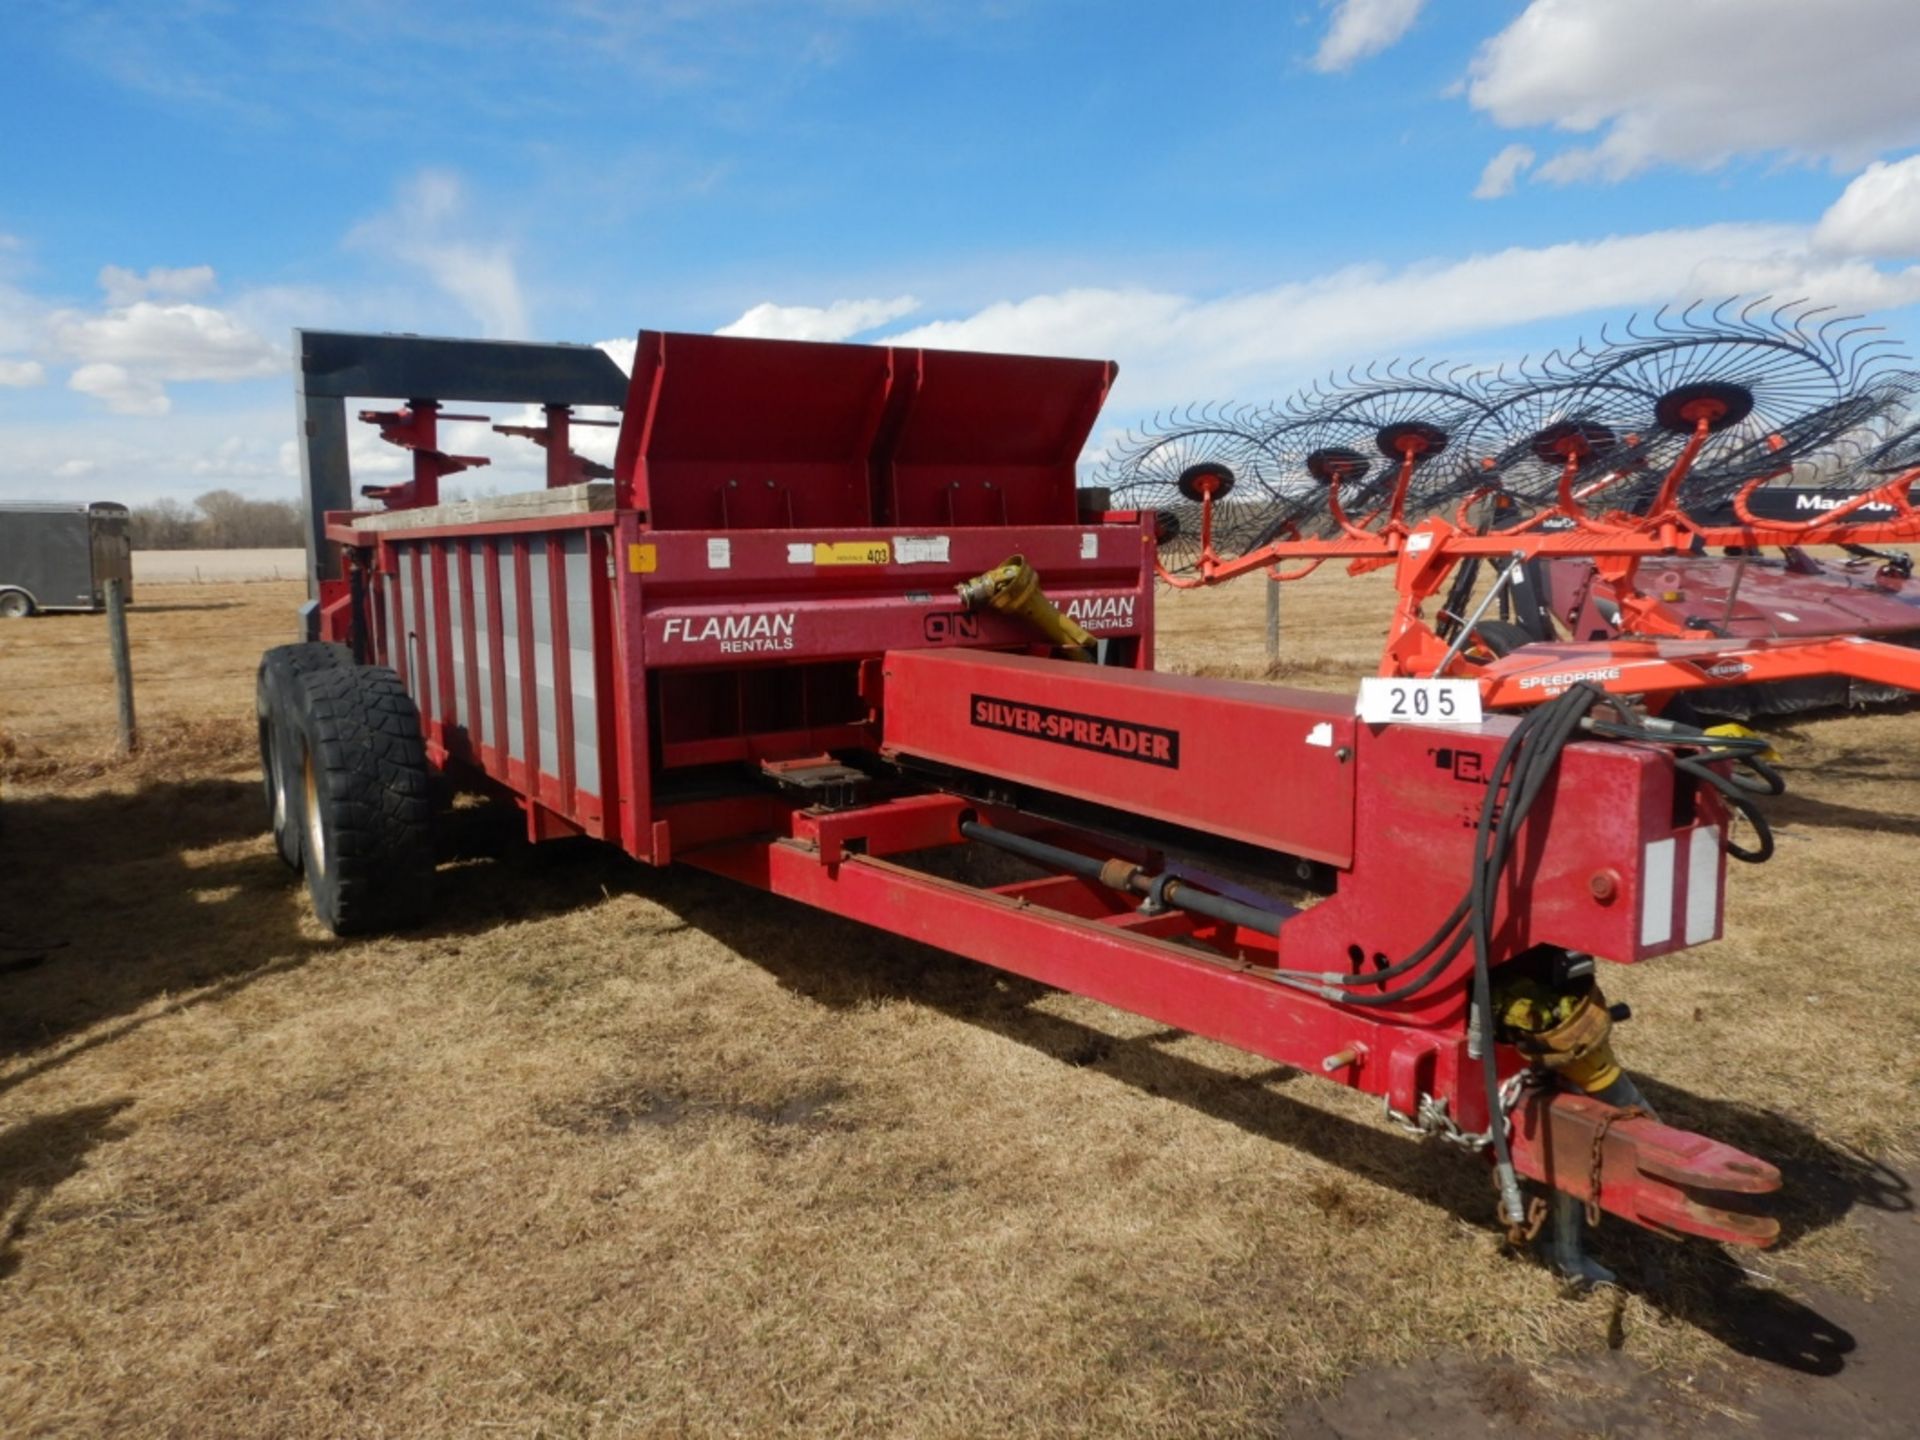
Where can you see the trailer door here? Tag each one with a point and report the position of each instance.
(112, 551)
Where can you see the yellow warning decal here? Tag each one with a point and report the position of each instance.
(643, 559)
(852, 552)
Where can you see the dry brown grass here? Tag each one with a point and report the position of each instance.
(611, 1151)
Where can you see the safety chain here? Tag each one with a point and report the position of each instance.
(1523, 1233)
(1431, 1118)
(1630, 1112)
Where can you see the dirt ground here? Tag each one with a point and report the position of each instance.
(609, 1151)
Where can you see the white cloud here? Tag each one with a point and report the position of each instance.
(1361, 28)
(123, 286)
(430, 228)
(20, 315)
(1852, 286)
(841, 320)
(1502, 171)
(1877, 214)
(137, 458)
(147, 333)
(620, 350)
(122, 391)
(1701, 82)
(167, 342)
(1177, 348)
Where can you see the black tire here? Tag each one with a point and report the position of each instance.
(15, 605)
(1501, 637)
(274, 697)
(366, 800)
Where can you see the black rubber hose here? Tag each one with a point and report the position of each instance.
(1218, 907)
(1037, 851)
(1740, 797)
(1177, 893)
(1531, 753)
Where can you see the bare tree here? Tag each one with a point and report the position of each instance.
(219, 520)
(165, 524)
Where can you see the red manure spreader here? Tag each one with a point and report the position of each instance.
(840, 611)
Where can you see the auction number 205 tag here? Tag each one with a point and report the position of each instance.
(1388, 701)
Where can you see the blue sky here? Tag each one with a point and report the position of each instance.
(1225, 198)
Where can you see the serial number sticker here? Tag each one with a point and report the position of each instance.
(852, 552)
(921, 549)
(1388, 701)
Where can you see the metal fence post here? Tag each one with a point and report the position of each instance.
(122, 664)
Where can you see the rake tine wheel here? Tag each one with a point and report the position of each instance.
(1740, 395)
(1207, 477)
(1383, 448)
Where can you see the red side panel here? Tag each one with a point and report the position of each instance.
(989, 439)
(725, 434)
(1268, 767)
(736, 434)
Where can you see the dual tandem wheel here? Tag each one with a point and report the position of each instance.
(349, 795)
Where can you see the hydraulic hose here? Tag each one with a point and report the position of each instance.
(1736, 789)
(1164, 888)
(1531, 755)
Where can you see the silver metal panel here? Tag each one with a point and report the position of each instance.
(457, 634)
(410, 626)
(541, 604)
(510, 649)
(390, 602)
(430, 601)
(477, 563)
(586, 712)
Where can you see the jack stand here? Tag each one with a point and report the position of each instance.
(1563, 1242)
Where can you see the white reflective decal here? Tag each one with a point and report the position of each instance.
(1703, 884)
(1656, 893)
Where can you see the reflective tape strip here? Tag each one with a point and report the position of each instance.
(1656, 893)
(1703, 884)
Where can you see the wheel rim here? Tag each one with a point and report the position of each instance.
(276, 777)
(316, 835)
